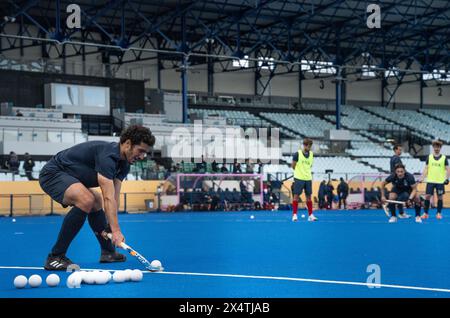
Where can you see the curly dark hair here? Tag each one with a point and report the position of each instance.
(137, 134)
(396, 146)
(307, 141)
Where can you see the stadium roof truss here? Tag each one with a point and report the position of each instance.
(323, 38)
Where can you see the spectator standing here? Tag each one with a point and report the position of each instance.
(395, 159)
(342, 190)
(12, 164)
(260, 166)
(214, 167)
(237, 167)
(224, 168)
(321, 194)
(249, 167)
(28, 166)
(330, 190)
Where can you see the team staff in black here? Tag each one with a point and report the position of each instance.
(342, 190)
(404, 188)
(68, 178)
(396, 160)
(28, 165)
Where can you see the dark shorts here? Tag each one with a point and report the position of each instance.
(440, 188)
(400, 191)
(299, 185)
(54, 181)
(402, 195)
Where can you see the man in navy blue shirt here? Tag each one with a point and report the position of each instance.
(395, 159)
(342, 191)
(68, 178)
(404, 188)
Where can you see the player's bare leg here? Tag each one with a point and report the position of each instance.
(392, 207)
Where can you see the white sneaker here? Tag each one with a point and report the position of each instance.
(418, 219)
(393, 219)
(294, 218)
(404, 216)
(312, 218)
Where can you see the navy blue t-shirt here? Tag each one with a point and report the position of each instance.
(295, 156)
(395, 160)
(402, 185)
(85, 160)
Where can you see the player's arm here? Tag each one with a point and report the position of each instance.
(117, 187)
(413, 192)
(424, 173)
(293, 164)
(448, 176)
(383, 187)
(447, 166)
(110, 206)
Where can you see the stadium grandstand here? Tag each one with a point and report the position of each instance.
(231, 91)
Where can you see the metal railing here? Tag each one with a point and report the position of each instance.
(38, 204)
(42, 134)
(59, 66)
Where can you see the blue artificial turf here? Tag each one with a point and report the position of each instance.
(339, 248)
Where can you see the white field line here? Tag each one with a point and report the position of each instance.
(279, 278)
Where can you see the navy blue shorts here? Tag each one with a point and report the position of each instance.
(440, 188)
(402, 195)
(54, 181)
(299, 185)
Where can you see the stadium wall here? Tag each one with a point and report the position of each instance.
(26, 89)
(29, 194)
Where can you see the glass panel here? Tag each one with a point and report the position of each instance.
(94, 96)
(66, 95)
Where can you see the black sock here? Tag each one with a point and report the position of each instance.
(98, 223)
(440, 205)
(427, 206)
(417, 208)
(400, 209)
(72, 224)
(391, 207)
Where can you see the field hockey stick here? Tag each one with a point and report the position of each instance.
(286, 179)
(396, 202)
(386, 210)
(385, 207)
(132, 252)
